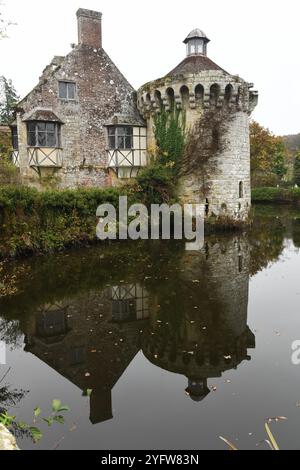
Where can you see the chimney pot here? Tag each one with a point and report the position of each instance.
(89, 28)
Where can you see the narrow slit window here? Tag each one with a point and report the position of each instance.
(241, 190)
(206, 207)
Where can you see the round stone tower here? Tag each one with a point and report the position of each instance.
(215, 108)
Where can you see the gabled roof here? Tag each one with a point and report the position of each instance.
(42, 115)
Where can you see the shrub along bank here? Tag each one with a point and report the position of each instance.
(276, 195)
(32, 221)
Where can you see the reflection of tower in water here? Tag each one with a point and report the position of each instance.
(200, 328)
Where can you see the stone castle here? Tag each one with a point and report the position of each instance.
(84, 125)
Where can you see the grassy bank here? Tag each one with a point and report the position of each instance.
(276, 195)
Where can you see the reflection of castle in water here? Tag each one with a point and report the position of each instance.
(194, 323)
(202, 331)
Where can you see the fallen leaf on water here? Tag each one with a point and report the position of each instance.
(277, 418)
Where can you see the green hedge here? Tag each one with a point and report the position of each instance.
(277, 195)
(32, 221)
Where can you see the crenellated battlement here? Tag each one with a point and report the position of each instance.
(197, 91)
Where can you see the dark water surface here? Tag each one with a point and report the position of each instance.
(178, 347)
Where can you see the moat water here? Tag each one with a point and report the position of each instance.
(178, 347)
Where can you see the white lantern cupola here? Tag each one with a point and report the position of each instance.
(196, 43)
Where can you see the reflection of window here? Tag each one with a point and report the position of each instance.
(15, 142)
(120, 137)
(43, 134)
(52, 323)
(77, 356)
(129, 303)
(67, 90)
(124, 310)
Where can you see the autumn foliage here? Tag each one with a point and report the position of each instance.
(268, 157)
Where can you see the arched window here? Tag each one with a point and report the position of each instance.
(228, 93)
(158, 99)
(241, 190)
(171, 97)
(185, 96)
(214, 94)
(199, 94)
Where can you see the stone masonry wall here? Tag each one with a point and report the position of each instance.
(102, 91)
(217, 180)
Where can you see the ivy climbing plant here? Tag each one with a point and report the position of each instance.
(157, 182)
(169, 131)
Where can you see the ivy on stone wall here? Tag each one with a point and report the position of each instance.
(205, 141)
(170, 135)
(157, 182)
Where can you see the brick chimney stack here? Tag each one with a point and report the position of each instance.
(89, 28)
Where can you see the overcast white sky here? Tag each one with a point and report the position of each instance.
(258, 40)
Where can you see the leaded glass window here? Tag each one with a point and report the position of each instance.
(43, 134)
(120, 137)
